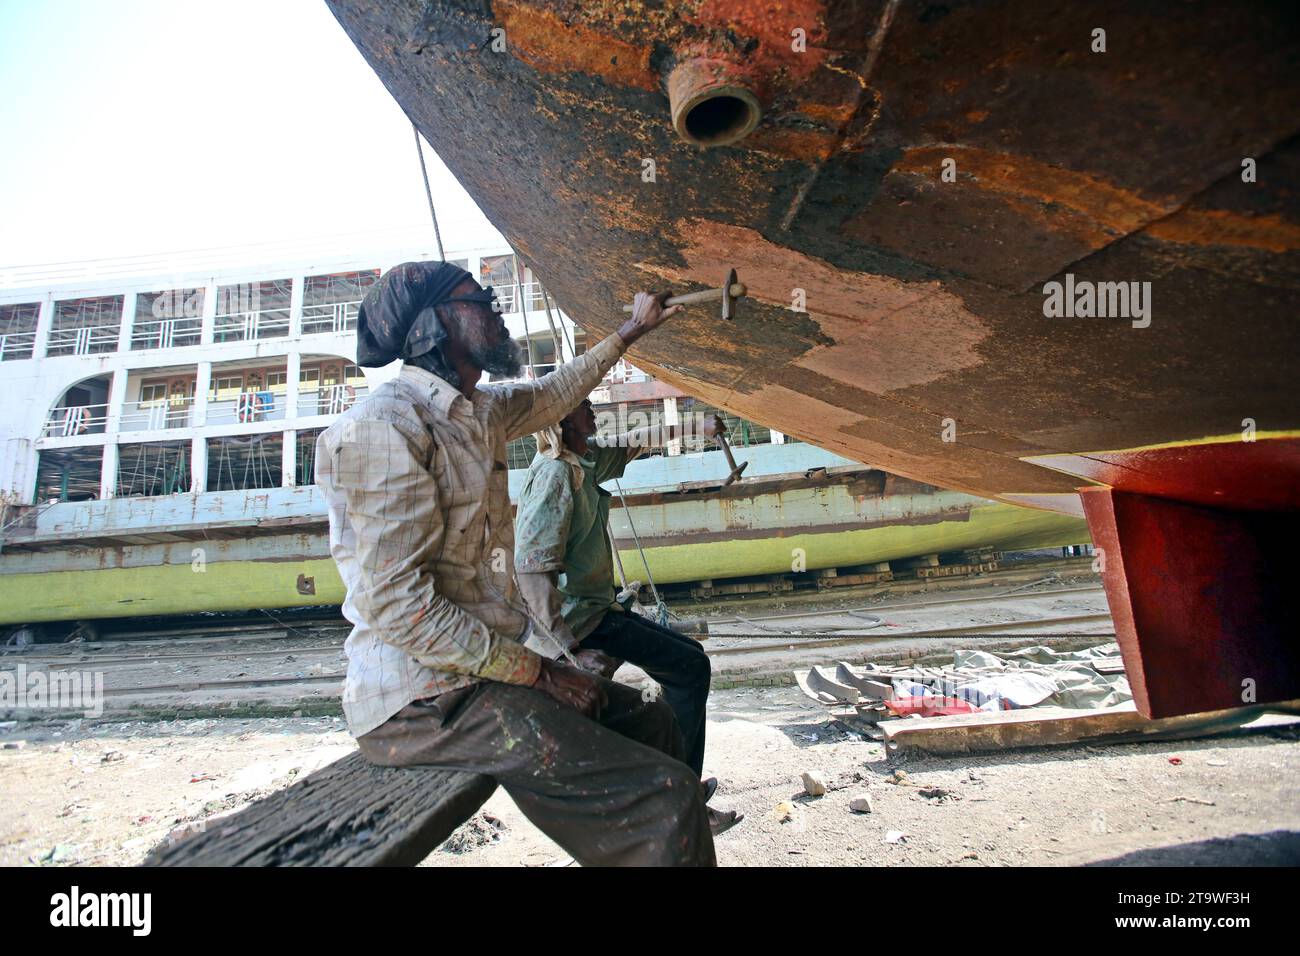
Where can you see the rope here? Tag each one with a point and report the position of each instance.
(523, 310)
(660, 606)
(556, 340)
(424, 172)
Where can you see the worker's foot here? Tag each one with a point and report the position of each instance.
(720, 821)
(709, 787)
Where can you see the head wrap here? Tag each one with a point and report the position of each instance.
(397, 318)
(550, 444)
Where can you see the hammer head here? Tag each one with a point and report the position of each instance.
(736, 473)
(728, 303)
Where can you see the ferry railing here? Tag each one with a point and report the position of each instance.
(509, 300)
(156, 414)
(249, 326)
(83, 340)
(330, 400)
(75, 420)
(331, 317)
(166, 333)
(248, 406)
(16, 345)
(624, 373)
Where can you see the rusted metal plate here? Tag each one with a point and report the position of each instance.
(924, 297)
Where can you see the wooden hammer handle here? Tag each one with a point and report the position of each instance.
(708, 295)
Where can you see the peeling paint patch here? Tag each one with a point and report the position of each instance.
(871, 319)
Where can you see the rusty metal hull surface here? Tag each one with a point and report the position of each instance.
(924, 298)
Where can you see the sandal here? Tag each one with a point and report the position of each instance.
(720, 821)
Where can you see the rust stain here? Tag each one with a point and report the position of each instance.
(871, 319)
(1115, 211)
(809, 145)
(771, 23)
(550, 45)
(832, 114)
(1217, 227)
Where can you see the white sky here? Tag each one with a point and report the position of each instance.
(142, 126)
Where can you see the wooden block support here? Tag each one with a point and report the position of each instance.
(350, 813)
(1046, 726)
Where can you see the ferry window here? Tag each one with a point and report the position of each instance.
(330, 302)
(277, 381)
(85, 326)
(18, 330)
(227, 387)
(153, 468)
(242, 463)
(305, 459)
(252, 310)
(498, 271)
(169, 319)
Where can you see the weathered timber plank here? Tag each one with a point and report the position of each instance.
(350, 813)
(1040, 727)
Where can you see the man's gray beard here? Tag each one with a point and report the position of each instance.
(503, 358)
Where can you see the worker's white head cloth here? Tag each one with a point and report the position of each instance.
(550, 444)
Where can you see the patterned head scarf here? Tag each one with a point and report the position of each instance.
(397, 318)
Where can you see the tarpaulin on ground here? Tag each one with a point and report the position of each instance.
(979, 680)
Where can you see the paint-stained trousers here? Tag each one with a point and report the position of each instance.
(610, 792)
(676, 661)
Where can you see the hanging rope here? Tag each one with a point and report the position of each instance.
(546, 300)
(556, 341)
(424, 172)
(523, 310)
(660, 607)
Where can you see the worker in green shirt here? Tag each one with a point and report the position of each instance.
(565, 570)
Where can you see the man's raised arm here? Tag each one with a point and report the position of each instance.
(532, 406)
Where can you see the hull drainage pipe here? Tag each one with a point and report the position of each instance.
(711, 102)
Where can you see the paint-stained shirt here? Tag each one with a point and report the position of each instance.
(561, 528)
(415, 480)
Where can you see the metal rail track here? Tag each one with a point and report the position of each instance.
(800, 642)
(974, 630)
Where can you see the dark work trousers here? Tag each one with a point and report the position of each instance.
(611, 792)
(676, 662)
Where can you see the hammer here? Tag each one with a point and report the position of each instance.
(731, 291)
(736, 470)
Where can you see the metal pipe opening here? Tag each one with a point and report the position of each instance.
(709, 107)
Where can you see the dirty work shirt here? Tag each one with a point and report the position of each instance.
(562, 528)
(415, 481)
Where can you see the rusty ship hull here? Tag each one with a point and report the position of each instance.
(900, 184)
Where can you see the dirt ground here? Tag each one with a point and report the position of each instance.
(103, 794)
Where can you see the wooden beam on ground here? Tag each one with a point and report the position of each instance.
(350, 813)
(1047, 726)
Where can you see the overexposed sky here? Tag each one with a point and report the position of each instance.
(134, 127)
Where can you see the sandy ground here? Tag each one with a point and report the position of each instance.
(104, 794)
